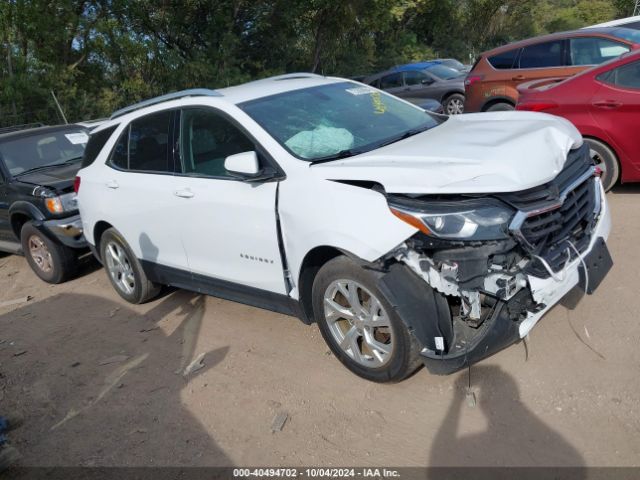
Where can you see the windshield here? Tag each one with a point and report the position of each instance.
(336, 120)
(443, 72)
(35, 151)
(627, 34)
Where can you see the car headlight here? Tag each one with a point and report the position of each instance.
(61, 203)
(484, 219)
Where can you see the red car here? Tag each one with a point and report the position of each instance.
(604, 104)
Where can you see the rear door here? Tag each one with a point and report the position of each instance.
(228, 226)
(140, 191)
(616, 109)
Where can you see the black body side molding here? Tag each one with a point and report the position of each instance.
(255, 297)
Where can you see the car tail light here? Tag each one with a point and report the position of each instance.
(471, 79)
(536, 106)
(76, 185)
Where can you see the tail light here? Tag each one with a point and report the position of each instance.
(536, 106)
(76, 185)
(471, 79)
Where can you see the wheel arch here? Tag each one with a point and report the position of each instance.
(311, 264)
(21, 213)
(616, 155)
(450, 93)
(98, 230)
(495, 100)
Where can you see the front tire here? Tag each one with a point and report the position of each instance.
(124, 270)
(606, 159)
(359, 325)
(454, 104)
(49, 260)
(500, 107)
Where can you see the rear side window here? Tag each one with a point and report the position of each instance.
(542, 55)
(149, 143)
(594, 50)
(626, 76)
(391, 81)
(145, 145)
(95, 144)
(504, 60)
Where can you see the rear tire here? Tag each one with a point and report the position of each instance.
(454, 104)
(606, 159)
(500, 107)
(360, 326)
(49, 260)
(124, 269)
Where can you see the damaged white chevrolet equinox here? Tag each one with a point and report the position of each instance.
(409, 238)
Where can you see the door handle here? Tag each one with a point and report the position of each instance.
(112, 184)
(607, 104)
(184, 193)
(518, 77)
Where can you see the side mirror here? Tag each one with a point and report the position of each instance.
(246, 167)
(244, 164)
(427, 81)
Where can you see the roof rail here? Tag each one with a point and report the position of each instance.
(194, 92)
(293, 76)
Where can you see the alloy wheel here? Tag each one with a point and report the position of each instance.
(455, 106)
(358, 323)
(40, 253)
(119, 268)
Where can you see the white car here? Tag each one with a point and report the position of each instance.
(408, 237)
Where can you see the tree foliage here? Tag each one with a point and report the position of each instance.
(98, 55)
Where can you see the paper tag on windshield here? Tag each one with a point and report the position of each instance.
(77, 138)
(360, 90)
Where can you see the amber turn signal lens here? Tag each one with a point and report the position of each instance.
(411, 220)
(53, 204)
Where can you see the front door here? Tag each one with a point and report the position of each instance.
(229, 227)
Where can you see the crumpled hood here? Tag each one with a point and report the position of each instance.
(59, 178)
(471, 153)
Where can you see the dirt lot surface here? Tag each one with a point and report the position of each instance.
(101, 382)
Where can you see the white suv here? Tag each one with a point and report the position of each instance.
(408, 237)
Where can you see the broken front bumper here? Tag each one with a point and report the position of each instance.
(549, 291)
(505, 325)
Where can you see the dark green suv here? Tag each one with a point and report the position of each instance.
(38, 209)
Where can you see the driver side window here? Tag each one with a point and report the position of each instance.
(206, 140)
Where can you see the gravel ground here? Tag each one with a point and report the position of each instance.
(101, 382)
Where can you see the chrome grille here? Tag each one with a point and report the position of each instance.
(554, 215)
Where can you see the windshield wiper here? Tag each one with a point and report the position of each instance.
(350, 152)
(407, 134)
(52, 165)
(72, 160)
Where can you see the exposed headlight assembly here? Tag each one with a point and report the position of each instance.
(482, 219)
(57, 203)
